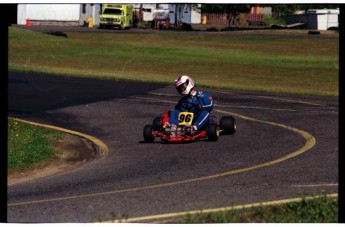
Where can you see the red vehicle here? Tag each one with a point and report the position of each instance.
(184, 131)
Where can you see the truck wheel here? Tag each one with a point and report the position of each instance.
(228, 125)
(212, 132)
(148, 133)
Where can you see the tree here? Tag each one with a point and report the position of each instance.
(234, 9)
(140, 16)
(283, 10)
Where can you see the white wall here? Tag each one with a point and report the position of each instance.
(266, 10)
(21, 14)
(196, 15)
(323, 11)
(326, 21)
(315, 21)
(332, 20)
(96, 8)
(46, 12)
(322, 22)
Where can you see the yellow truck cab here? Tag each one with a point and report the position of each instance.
(115, 15)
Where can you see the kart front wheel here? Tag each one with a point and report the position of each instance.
(228, 125)
(157, 124)
(148, 133)
(212, 132)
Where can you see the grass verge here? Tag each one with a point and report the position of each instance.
(316, 210)
(28, 145)
(276, 64)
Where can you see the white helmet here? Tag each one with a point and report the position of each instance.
(184, 84)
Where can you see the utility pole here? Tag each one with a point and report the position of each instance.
(140, 14)
(176, 14)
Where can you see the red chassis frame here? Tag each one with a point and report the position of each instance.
(184, 138)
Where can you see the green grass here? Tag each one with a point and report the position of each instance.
(289, 65)
(317, 210)
(271, 20)
(28, 145)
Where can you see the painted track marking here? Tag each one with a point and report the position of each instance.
(223, 209)
(310, 142)
(314, 185)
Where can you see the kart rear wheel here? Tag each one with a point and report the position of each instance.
(212, 132)
(228, 125)
(148, 134)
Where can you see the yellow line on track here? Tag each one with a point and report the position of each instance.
(222, 209)
(310, 142)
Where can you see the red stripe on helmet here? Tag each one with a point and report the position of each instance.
(179, 81)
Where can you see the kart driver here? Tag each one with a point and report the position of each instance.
(198, 102)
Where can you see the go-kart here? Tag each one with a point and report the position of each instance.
(184, 131)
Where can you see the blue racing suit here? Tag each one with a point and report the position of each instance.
(201, 104)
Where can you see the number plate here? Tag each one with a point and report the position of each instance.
(185, 118)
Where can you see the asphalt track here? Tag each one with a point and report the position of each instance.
(285, 146)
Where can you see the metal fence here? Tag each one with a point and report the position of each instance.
(229, 19)
(215, 18)
(254, 17)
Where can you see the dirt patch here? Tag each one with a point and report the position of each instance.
(74, 151)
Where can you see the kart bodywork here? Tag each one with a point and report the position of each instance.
(184, 131)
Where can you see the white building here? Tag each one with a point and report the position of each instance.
(58, 14)
(187, 13)
(319, 19)
(78, 14)
(147, 10)
(196, 14)
(323, 19)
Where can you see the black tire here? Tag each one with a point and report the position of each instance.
(157, 124)
(212, 132)
(148, 134)
(228, 125)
